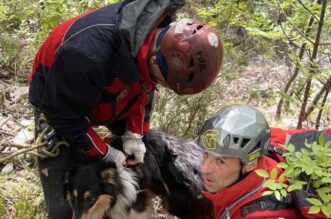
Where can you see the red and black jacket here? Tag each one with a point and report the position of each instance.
(232, 202)
(244, 199)
(84, 74)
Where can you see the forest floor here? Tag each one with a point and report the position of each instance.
(20, 191)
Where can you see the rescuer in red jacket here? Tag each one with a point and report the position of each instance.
(235, 141)
(101, 68)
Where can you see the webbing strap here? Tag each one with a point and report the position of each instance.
(268, 202)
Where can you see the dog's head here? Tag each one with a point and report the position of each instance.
(92, 190)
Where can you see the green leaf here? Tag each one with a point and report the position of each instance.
(283, 192)
(290, 148)
(289, 171)
(267, 193)
(277, 195)
(324, 189)
(298, 154)
(314, 201)
(314, 210)
(321, 139)
(262, 173)
(325, 198)
(270, 184)
(282, 165)
(326, 180)
(326, 210)
(273, 173)
(291, 188)
(282, 178)
(319, 172)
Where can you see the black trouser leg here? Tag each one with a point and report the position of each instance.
(52, 175)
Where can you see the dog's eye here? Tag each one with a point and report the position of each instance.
(89, 202)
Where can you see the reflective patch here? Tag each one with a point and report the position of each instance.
(124, 92)
(209, 139)
(213, 40)
(179, 28)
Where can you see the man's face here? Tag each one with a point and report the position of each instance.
(219, 172)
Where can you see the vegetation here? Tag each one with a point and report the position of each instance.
(311, 163)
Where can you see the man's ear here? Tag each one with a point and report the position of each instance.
(249, 166)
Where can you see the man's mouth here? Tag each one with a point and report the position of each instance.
(207, 180)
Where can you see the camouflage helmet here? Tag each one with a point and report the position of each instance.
(236, 131)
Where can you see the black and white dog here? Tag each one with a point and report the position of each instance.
(170, 171)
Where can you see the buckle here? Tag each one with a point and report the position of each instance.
(244, 211)
(262, 205)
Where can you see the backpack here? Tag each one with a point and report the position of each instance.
(296, 198)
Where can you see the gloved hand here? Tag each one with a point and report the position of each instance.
(114, 155)
(133, 145)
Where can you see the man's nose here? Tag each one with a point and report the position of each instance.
(206, 166)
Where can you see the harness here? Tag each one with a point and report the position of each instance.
(226, 213)
(268, 202)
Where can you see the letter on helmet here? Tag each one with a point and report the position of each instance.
(236, 131)
(193, 53)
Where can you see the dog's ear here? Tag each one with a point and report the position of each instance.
(107, 170)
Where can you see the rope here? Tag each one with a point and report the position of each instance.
(39, 144)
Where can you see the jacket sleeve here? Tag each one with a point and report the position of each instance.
(74, 85)
(148, 110)
(138, 119)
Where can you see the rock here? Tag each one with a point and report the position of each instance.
(8, 168)
(23, 137)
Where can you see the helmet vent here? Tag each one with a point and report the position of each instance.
(191, 62)
(235, 140)
(190, 77)
(197, 29)
(256, 148)
(244, 142)
(226, 142)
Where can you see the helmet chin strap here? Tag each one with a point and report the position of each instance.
(155, 72)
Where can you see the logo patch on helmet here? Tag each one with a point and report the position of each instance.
(201, 61)
(176, 60)
(254, 156)
(213, 40)
(209, 139)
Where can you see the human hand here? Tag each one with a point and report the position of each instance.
(133, 145)
(116, 156)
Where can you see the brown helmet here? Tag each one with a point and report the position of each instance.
(193, 53)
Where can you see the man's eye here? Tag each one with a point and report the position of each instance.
(220, 161)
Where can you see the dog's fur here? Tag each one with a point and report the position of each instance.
(170, 171)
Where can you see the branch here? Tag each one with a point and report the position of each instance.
(293, 25)
(321, 110)
(305, 7)
(312, 66)
(317, 97)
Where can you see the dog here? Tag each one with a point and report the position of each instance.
(170, 170)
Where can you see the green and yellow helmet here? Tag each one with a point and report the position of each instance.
(235, 131)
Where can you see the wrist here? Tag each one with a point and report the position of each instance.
(131, 135)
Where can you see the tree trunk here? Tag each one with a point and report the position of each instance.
(318, 120)
(296, 70)
(313, 66)
(324, 89)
